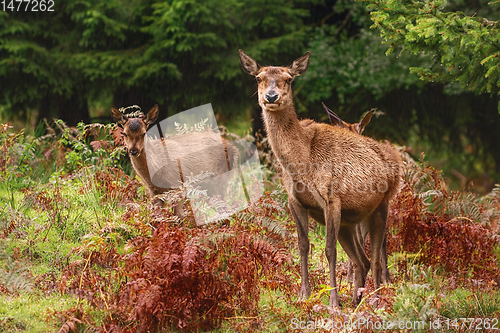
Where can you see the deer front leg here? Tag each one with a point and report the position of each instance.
(332, 221)
(386, 276)
(301, 221)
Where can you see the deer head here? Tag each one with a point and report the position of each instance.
(356, 128)
(134, 129)
(274, 83)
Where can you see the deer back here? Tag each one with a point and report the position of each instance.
(358, 170)
(191, 154)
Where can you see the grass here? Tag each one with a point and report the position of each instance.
(28, 312)
(464, 303)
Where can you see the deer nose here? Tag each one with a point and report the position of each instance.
(271, 97)
(134, 152)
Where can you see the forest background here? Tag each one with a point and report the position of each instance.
(77, 61)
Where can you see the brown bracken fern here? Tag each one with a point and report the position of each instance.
(185, 278)
(449, 230)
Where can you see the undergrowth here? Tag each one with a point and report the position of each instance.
(457, 232)
(183, 277)
(76, 226)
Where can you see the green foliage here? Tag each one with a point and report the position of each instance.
(13, 275)
(16, 160)
(418, 300)
(94, 146)
(100, 153)
(348, 61)
(471, 304)
(465, 49)
(90, 49)
(353, 67)
(202, 39)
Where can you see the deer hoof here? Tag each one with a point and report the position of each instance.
(386, 277)
(334, 300)
(304, 294)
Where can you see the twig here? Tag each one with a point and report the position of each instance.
(343, 24)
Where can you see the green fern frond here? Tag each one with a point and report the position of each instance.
(12, 274)
(273, 226)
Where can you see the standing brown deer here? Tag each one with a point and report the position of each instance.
(362, 229)
(211, 154)
(337, 177)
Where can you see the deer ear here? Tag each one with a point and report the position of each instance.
(366, 119)
(152, 115)
(300, 65)
(248, 64)
(118, 117)
(334, 119)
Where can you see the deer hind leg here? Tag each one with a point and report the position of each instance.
(386, 276)
(361, 236)
(301, 221)
(362, 230)
(351, 244)
(378, 221)
(332, 221)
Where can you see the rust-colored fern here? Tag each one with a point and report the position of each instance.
(426, 221)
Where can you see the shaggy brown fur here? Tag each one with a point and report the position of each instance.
(337, 177)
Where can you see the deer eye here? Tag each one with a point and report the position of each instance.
(289, 80)
(259, 80)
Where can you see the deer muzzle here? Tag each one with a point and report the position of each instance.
(134, 152)
(271, 101)
(271, 97)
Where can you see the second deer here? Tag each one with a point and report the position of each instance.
(337, 177)
(212, 154)
(336, 121)
(362, 228)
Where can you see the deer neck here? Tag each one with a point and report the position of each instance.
(140, 165)
(287, 137)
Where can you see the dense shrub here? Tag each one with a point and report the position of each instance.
(449, 230)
